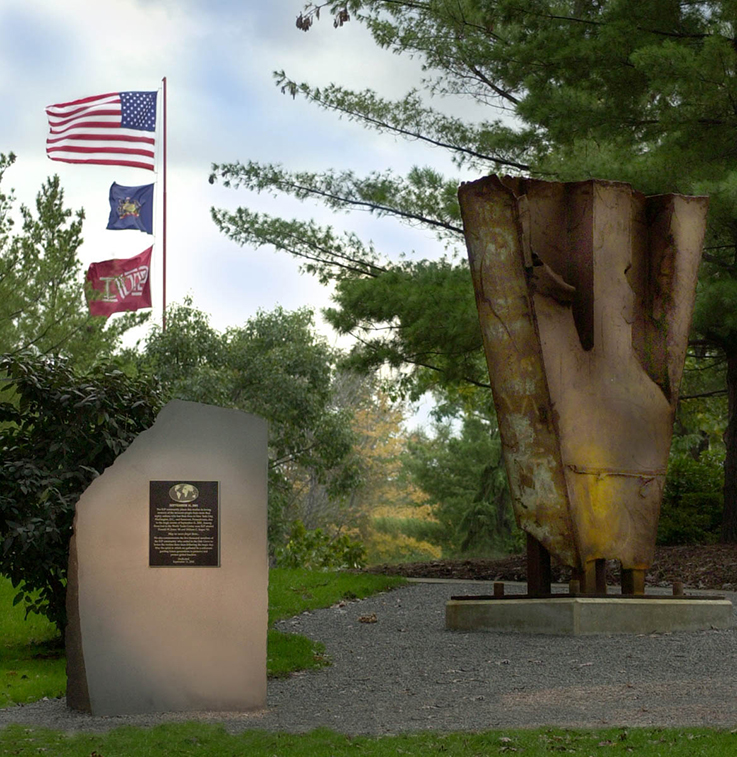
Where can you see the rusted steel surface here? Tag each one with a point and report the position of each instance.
(494, 237)
(585, 293)
(633, 581)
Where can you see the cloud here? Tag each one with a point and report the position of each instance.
(218, 57)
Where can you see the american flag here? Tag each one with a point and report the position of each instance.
(106, 130)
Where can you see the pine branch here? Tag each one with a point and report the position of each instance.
(716, 261)
(342, 190)
(303, 240)
(504, 94)
(418, 362)
(376, 111)
(700, 395)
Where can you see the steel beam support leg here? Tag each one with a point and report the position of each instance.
(600, 576)
(633, 581)
(538, 568)
(591, 578)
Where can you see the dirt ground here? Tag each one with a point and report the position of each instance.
(712, 566)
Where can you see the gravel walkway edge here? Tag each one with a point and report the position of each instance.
(406, 673)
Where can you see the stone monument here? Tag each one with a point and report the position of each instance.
(168, 570)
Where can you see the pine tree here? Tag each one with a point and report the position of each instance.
(635, 90)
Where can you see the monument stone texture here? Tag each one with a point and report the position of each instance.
(168, 572)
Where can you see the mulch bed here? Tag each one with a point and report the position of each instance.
(712, 566)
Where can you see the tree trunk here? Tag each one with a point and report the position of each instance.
(729, 521)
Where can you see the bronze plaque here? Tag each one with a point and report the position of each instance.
(184, 524)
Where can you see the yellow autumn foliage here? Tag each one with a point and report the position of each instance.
(382, 548)
(421, 512)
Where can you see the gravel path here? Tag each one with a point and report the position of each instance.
(405, 673)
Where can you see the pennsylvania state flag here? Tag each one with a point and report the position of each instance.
(131, 207)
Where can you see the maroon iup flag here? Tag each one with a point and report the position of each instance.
(123, 284)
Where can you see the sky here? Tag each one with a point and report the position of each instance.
(218, 57)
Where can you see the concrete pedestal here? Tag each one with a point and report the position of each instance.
(573, 616)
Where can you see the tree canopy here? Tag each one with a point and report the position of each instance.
(633, 90)
(460, 470)
(42, 302)
(275, 366)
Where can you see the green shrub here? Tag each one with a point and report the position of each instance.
(693, 502)
(695, 520)
(58, 431)
(317, 550)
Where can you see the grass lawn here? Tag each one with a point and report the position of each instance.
(213, 741)
(32, 663)
(293, 591)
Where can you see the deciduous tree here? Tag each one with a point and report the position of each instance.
(42, 302)
(59, 429)
(275, 366)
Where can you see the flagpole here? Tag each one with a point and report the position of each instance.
(163, 226)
